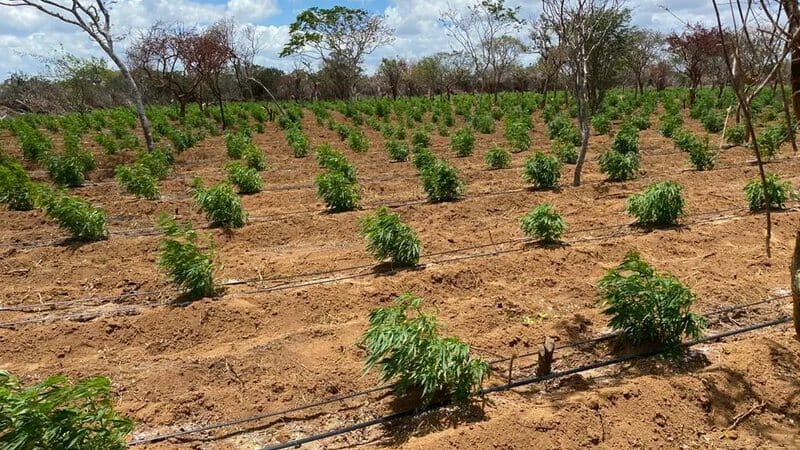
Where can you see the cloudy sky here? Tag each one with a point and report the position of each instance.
(26, 35)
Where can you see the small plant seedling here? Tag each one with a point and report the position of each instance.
(388, 237)
(222, 206)
(190, 267)
(779, 192)
(542, 171)
(498, 158)
(543, 223)
(442, 182)
(660, 205)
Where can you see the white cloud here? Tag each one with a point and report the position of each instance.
(252, 10)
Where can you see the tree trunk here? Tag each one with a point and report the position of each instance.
(786, 114)
(136, 95)
(796, 284)
(793, 13)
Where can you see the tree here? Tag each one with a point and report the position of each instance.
(483, 34)
(393, 71)
(214, 52)
(646, 45)
(694, 49)
(593, 36)
(338, 39)
(94, 18)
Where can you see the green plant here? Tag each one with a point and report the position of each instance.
(660, 205)
(542, 171)
(498, 158)
(734, 134)
(397, 150)
(254, 157)
(779, 191)
(543, 223)
(701, 156)
(770, 140)
(420, 139)
(619, 166)
(441, 182)
(669, 124)
(330, 159)
(627, 140)
(564, 151)
(517, 132)
(297, 141)
(388, 237)
(79, 217)
(235, 143)
(16, 188)
(648, 307)
(713, 121)
(463, 142)
(138, 181)
(339, 191)
(158, 162)
(223, 208)
(601, 124)
(357, 141)
(483, 123)
(58, 413)
(190, 267)
(423, 158)
(640, 122)
(405, 342)
(247, 179)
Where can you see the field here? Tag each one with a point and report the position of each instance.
(299, 286)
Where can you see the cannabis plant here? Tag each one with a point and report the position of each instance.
(398, 151)
(542, 171)
(357, 141)
(619, 166)
(660, 205)
(442, 182)
(702, 156)
(235, 143)
(498, 158)
(190, 267)
(423, 158)
(405, 343)
(16, 188)
(601, 124)
(79, 217)
(779, 192)
(222, 206)
(543, 223)
(58, 413)
(158, 162)
(517, 133)
(246, 179)
(565, 151)
(734, 134)
(339, 191)
(648, 307)
(420, 139)
(388, 237)
(137, 180)
(254, 158)
(463, 142)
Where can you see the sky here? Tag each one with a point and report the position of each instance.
(28, 37)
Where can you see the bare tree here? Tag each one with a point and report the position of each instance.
(94, 18)
(393, 71)
(214, 52)
(646, 46)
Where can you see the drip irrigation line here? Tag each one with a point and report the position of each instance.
(515, 384)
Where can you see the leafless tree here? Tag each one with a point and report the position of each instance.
(646, 46)
(94, 18)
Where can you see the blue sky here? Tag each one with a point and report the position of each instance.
(26, 36)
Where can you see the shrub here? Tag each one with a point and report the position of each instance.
(565, 151)
(79, 217)
(223, 208)
(330, 159)
(388, 237)
(357, 141)
(409, 347)
(619, 166)
(423, 158)
(158, 162)
(397, 150)
(297, 141)
(16, 189)
(67, 170)
(34, 144)
(640, 122)
(542, 171)
(701, 156)
(463, 142)
(660, 205)
(734, 134)
(627, 140)
(498, 158)
(109, 143)
(483, 123)
(686, 140)
(254, 157)
(779, 192)
(137, 180)
(183, 140)
(246, 179)
(517, 132)
(648, 307)
(189, 267)
(601, 124)
(713, 121)
(235, 143)
(338, 190)
(420, 139)
(543, 223)
(58, 413)
(441, 182)
(770, 140)
(670, 123)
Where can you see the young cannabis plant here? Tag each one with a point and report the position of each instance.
(619, 166)
(137, 180)
(247, 179)
(498, 158)
(660, 205)
(16, 188)
(190, 267)
(405, 343)
(463, 142)
(441, 182)
(779, 192)
(543, 223)
(388, 237)
(648, 307)
(222, 206)
(79, 217)
(398, 151)
(339, 190)
(542, 171)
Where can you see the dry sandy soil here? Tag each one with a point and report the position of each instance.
(287, 333)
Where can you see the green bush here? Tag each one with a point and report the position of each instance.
(543, 223)
(669, 124)
(770, 140)
(254, 157)
(779, 191)
(442, 182)
(409, 347)
(601, 124)
(357, 141)
(298, 141)
(542, 171)
(648, 307)
(34, 144)
(339, 191)
(109, 143)
(420, 139)
(640, 122)
(734, 134)
(660, 205)
(565, 151)
(498, 158)
(16, 188)
(627, 140)
(398, 151)
(223, 208)
(702, 156)
(423, 158)
(463, 142)
(388, 237)
(330, 159)
(58, 413)
(79, 217)
(246, 179)
(713, 121)
(190, 268)
(517, 133)
(619, 166)
(483, 123)
(137, 180)
(159, 162)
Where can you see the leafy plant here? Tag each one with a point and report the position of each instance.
(190, 267)
(297, 141)
(601, 124)
(388, 237)
(734, 134)
(397, 150)
(627, 140)
(660, 205)
(357, 141)
(339, 191)
(517, 132)
(542, 171)
(463, 142)
(254, 157)
(498, 158)
(619, 166)
(442, 182)
(713, 121)
(16, 188)
(235, 143)
(79, 217)
(648, 307)
(483, 123)
(779, 192)
(544, 223)
(223, 208)
(137, 180)
(770, 140)
(701, 156)
(420, 139)
(405, 342)
(58, 413)
(669, 124)
(247, 179)
(158, 162)
(564, 151)
(330, 159)
(423, 158)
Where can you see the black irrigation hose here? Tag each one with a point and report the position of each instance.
(340, 398)
(515, 384)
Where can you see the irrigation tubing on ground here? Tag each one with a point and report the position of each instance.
(515, 384)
